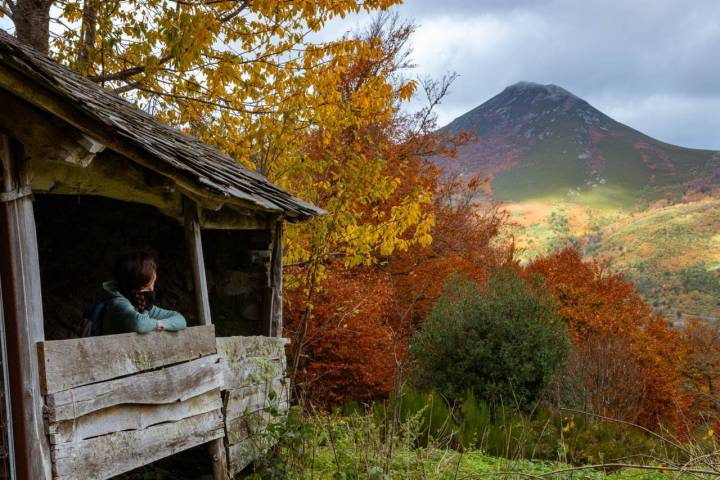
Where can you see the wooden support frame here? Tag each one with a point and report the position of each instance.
(22, 307)
(276, 280)
(6, 404)
(193, 236)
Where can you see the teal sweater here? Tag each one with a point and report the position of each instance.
(120, 315)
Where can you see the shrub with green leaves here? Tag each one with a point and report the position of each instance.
(502, 342)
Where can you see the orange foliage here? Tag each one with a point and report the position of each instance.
(353, 339)
(702, 367)
(596, 305)
(463, 242)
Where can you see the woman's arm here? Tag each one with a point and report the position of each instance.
(122, 313)
(171, 320)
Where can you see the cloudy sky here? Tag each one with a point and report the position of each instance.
(652, 64)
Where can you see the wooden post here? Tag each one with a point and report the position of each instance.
(22, 309)
(193, 235)
(276, 281)
(6, 403)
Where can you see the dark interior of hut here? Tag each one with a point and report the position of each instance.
(79, 238)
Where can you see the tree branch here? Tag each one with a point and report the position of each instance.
(125, 74)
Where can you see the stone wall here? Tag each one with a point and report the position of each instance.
(79, 238)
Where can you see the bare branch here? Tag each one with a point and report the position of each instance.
(125, 74)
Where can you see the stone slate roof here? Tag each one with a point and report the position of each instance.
(208, 167)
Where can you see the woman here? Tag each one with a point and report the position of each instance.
(131, 306)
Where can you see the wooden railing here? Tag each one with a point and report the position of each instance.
(117, 402)
(255, 394)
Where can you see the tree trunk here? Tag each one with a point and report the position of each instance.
(87, 35)
(32, 23)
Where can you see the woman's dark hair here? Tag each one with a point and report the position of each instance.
(134, 270)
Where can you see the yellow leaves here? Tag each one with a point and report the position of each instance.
(407, 90)
(319, 119)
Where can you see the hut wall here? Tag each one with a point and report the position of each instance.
(255, 392)
(237, 265)
(117, 402)
(80, 237)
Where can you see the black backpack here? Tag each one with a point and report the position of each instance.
(91, 325)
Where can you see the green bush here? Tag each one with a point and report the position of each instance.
(503, 343)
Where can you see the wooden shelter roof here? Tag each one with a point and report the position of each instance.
(162, 148)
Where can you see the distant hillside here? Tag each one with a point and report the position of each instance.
(569, 173)
(541, 142)
(672, 253)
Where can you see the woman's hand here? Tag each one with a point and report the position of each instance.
(159, 326)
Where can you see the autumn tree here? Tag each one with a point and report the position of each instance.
(466, 240)
(242, 75)
(606, 315)
(701, 367)
(367, 170)
(351, 349)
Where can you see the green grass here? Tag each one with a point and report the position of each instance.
(448, 464)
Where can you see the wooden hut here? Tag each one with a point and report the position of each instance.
(84, 174)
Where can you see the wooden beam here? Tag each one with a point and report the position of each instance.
(233, 349)
(229, 217)
(6, 403)
(276, 281)
(22, 308)
(171, 384)
(80, 361)
(109, 455)
(193, 236)
(44, 136)
(249, 371)
(131, 417)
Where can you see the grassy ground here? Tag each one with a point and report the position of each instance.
(437, 464)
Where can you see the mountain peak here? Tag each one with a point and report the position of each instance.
(528, 107)
(550, 91)
(541, 141)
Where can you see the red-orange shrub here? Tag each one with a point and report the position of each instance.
(353, 341)
(601, 306)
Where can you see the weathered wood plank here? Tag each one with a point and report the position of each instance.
(242, 454)
(110, 455)
(170, 384)
(236, 348)
(240, 401)
(71, 363)
(131, 417)
(252, 423)
(252, 370)
(276, 281)
(22, 300)
(193, 238)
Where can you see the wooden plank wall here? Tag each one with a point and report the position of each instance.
(255, 391)
(117, 402)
